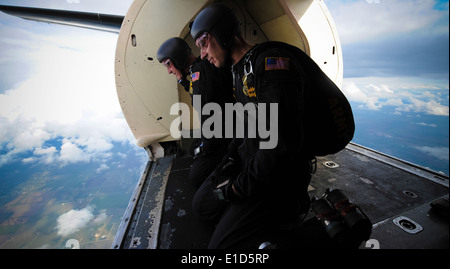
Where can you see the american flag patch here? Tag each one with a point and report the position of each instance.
(195, 76)
(277, 63)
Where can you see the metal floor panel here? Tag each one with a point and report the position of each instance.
(180, 228)
(379, 189)
(383, 187)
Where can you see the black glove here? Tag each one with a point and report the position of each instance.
(224, 191)
(227, 171)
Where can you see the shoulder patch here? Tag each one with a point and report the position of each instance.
(195, 76)
(277, 63)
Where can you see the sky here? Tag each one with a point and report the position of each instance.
(396, 57)
(393, 45)
(58, 104)
(58, 83)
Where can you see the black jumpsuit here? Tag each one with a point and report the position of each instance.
(272, 183)
(213, 85)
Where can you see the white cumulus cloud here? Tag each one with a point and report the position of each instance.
(74, 220)
(71, 153)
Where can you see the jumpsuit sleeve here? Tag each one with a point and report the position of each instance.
(206, 85)
(201, 85)
(282, 85)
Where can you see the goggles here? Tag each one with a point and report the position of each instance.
(167, 62)
(201, 41)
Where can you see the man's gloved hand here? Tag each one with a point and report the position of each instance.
(227, 171)
(226, 191)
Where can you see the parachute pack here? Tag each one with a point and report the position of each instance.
(328, 116)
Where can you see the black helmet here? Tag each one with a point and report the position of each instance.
(175, 49)
(218, 20)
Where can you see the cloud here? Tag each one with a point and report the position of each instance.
(19, 135)
(376, 96)
(354, 93)
(441, 153)
(428, 107)
(427, 124)
(101, 218)
(71, 153)
(74, 220)
(47, 155)
(103, 167)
